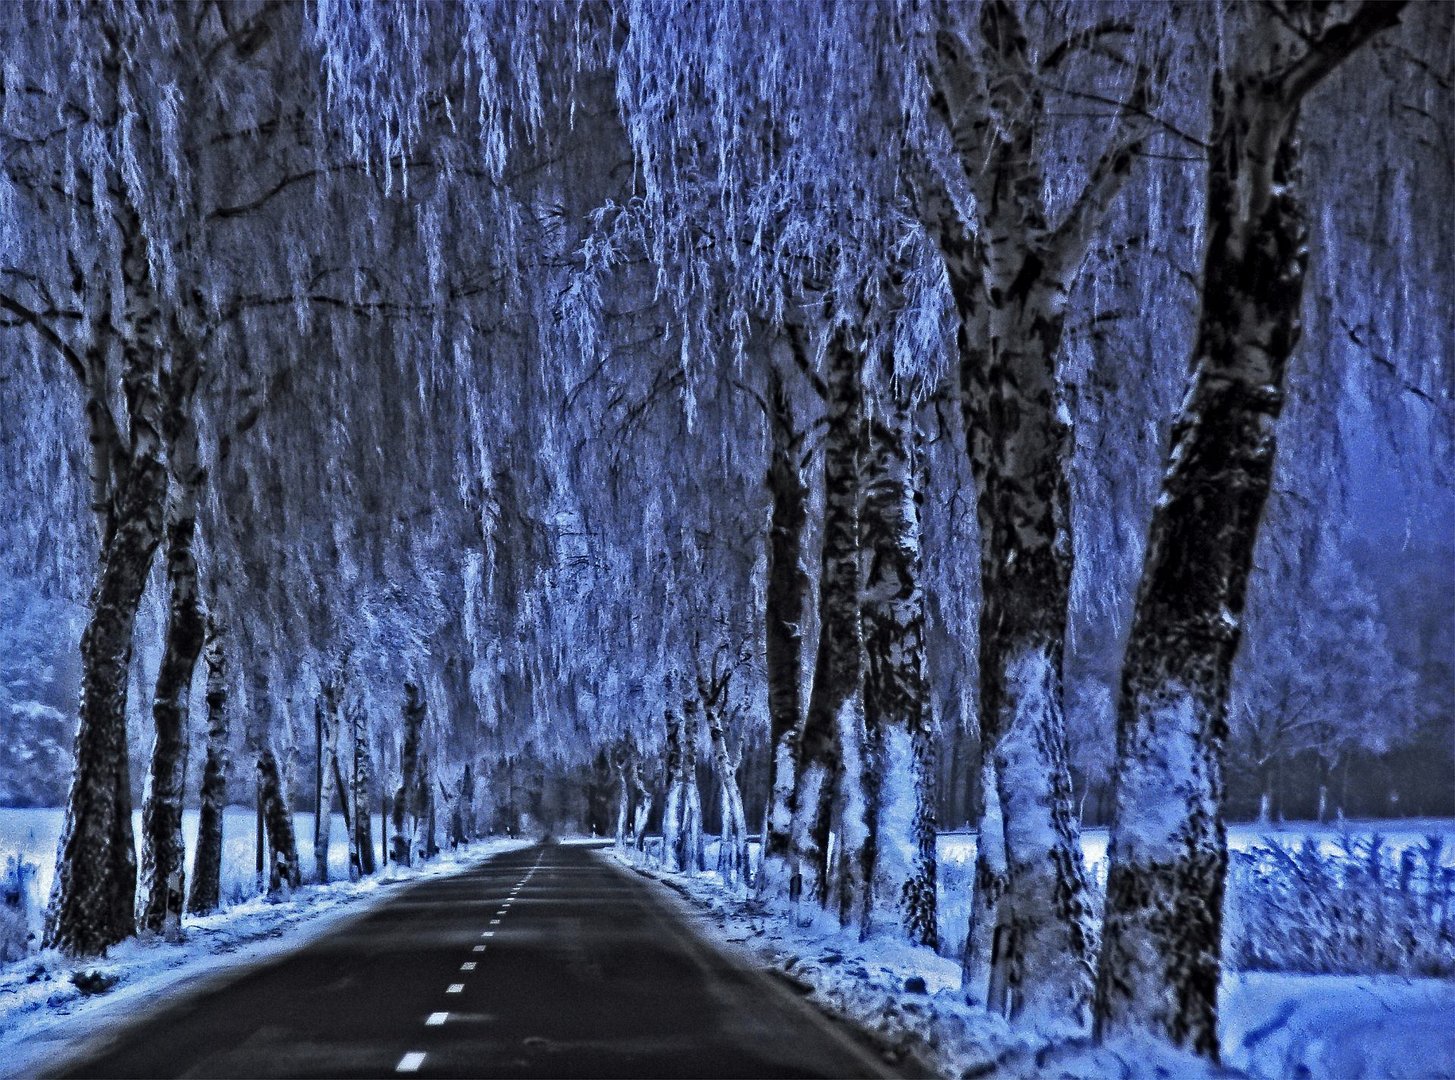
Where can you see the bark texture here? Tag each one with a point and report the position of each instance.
(1160, 961)
(713, 687)
(163, 853)
(361, 837)
(275, 817)
(283, 868)
(672, 810)
(207, 861)
(623, 797)
(838, 666)
(897, 717)
(784, 603)
(327, 718)
(402, 842)
(692, 859)
(644, 804)
(95, 883)
(1012, 288)
(992, 879)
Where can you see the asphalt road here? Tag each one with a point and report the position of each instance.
(545, 962)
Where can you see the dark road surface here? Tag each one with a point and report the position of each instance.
(545, 962)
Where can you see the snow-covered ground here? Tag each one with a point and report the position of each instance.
(1274, 1025)
(1338, 1026)
(906, 997)
(44, 1012)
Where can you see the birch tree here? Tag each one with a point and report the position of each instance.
(1011, 272)
(1160, 959)
(900, 745)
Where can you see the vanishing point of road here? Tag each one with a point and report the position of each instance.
(548, 961)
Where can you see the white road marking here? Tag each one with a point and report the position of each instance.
(410, 1062)
(436, 1019)
(487, 933)
(455, 988)
(494, 922)
(468, 965)
(478, 948)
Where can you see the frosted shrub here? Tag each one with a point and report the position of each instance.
(20, 908)
(13, 935)
(1356, 908)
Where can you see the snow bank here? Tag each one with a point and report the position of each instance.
(905, 997)
(45, 1008)
(909, 1000)
(1350, 1027)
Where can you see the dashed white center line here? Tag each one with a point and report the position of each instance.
(468, 965)
(494, 922)
(487, 933)
(436, 1019)
(455, 988)
(410, 1062)
(478, 948)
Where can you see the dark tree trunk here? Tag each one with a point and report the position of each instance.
(163, 852)
(900, 753)
(423, 810)
(402, 842)
(784, 603)
(673, 808)
(1011, 277)
(275, 813)
(467, 803)
(692, 845)
(733, 838)
(326, 718)
(835, 701)
(207, 861)
(361, 832)
(1160, 961)
(283, 868)
(644, 805)
(343, 797)
(623, 800)
(95, 885)
(430, 848)
(259, 834)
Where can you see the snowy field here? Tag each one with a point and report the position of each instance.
(1397, 835)
(35, 832)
